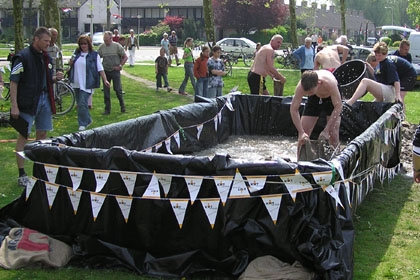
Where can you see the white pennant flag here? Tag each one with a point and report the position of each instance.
(177, 140)
(229, 103)
(51, 171)
(333, 191)
(101, 177)
(148, 150)
(125, 205)
(223, 184)
(194, 185)
(215, 123)
(152, 190)
(219, 116)
(272, 203)
(256, 183)
(129, 179)
(168, 145)
(51, 190)
(179, 206)
(29, 187)
(165, 180)
(211, 205)
(158, 146)
(76, 177)
(239, 188)
(74, 198)
(96, 200)
(322, 178)
(386, 137)
(339, 168)
(199, 129)
(296, 183)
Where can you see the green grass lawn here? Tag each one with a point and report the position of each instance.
(387, 243)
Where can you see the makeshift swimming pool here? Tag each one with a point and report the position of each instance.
(132, 192)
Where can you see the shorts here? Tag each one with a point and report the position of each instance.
(254, 83)
(407, 83)
(173, 50)
(43, 116)
(315, 106)
(388, 93)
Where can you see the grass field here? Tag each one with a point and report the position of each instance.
(387, 243)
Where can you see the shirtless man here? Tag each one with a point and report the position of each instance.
(264, 65)
(323, 96)
(328, 57)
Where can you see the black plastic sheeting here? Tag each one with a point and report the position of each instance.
(311, 229)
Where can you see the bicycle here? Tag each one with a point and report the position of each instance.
(239, 54)
(287, 60)
(227, 61)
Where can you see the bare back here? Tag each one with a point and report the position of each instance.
(327, 58)
(264, 61)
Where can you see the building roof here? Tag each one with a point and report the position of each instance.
(155, 4)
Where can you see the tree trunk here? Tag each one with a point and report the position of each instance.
(108, 15)
(343, 17)
(18, 15)
(209, 21)
(52, 16)
(293, 25)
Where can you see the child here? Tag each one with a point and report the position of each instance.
(216, 71)
(201, 72)
(188, 66)
(161, 70)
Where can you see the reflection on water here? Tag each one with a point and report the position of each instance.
(255, 148)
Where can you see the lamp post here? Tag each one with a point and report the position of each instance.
(392, 14)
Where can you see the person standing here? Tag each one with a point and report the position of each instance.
(264, 65)
(132, 44)
(201, 72)
(116, 36)
(173, 48)
(85, 72)
(328, 57)
(188, 66)
(216, 71)
(314, 39)
(164, 43)
(161, 70)
(404, 50)
(305, 55)
(31, 92)
(54, 51)
(113, 59)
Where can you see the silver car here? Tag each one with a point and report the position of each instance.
(237, 46)
(98, 38)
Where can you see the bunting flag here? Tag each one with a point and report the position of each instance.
(66, 10)
(96, 201)
(272, 203)
(74, 199)
(229, 103)
(193, 185)
(51, 190)
(322, 178)
(165, 180)
(223, 186)
(148, 150)
(211, 206)
(295, 183)
(152, 190)
(29, 187)
(339, 168)
(51, 171)
(158, 146)
(125, 205)
(177, 140)
(239, 188)
(386, 136)
(215, 123)
(76, 177)
(332, 190)
(117, 16)
(219, 117)
(179, 206)
(199, 129)
(129, 179)
(168, 145)
(256, 183)
(101, 177)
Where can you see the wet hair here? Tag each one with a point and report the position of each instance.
(84, 38)
(381, 47)
(309, 80)
(42, 31)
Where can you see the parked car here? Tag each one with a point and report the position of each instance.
(371, 41)
(414, 40)
(361, 52)
(97, 38)
(237, 45)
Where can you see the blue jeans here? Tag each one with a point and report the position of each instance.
(159, 80)
(201, 87)
(114, 77)
(189, 74)
(214, 92)
(83, 114)
(42, 117)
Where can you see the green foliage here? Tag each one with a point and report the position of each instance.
(413, 10)
(149, 39)
(161, 28)
(396, 44)
(387, 40)
(192, 28)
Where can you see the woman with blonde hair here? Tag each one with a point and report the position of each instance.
(188, 66)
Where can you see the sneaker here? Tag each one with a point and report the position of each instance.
(81, 128)
(105, 113)
(23, 181)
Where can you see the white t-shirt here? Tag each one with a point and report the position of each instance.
(80, 72)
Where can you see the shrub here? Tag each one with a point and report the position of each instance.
(387, 40)
(396, 44)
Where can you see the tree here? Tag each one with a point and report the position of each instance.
(209, 20)
(18, 15)
(413, 10)
(343, 17)
(174, 22)
(293, 24)
(52, 16)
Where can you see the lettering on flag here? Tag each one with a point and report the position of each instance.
(177, 140)
(295, 183)
(333, 191)
(322, 178)
(76, 177)
(272, 203)
(125, 206)
(168, 145)
(74, 198)
(51, 190)
(96, 201)
(223, 184)
(256, 183)
(211, 205)
(179, 206)
(199, 129)
(193, 185)
(51, 171)
(152, 190)
(101, 177)
(129, 179)
(165, 180)
(239, 188)
(29, 187)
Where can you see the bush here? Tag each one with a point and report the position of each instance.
(396, 44)
(149, 39)
(387, 40)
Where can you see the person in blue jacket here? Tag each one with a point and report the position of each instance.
(305, 55)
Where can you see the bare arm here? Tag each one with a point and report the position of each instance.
(14, 110)
(294, 112)
(272, 71)
(104, 80)
(397, 87)
(344, 51)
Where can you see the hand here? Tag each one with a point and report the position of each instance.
(302, 139)
(107, 84)
(416, 176)
(14, 112)
(324, 135)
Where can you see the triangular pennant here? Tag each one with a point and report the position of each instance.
(165, 180)
(129, 179)
(272, 203)
(295, 183)
(152, 190)
(215, 123)
(193, 185)
(334, 194)
(177, 140)
(386, 136)
(148, 150)
(74, 198)
(29, 187)
(51, 190)
(125, 205)
(96, 200)
(211, 205)
(229, 103)
(51, 171)
(256, 183)
(239, 188)
(101, 177)
(76, 177)
(199, 129)
(219, 116)
(179, 206)
(168, 145)
(158, 146)
(223, 184)
(339, 168)
(322, 178)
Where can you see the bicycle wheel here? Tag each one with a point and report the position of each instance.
(64, 98)
(228, 67)
(248, 59)
(5, 92)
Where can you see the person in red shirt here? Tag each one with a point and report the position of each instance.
(201, 72)
(116, 36)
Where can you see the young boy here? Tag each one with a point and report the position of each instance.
(161, 70)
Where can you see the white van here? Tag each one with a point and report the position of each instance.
(414, 39)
